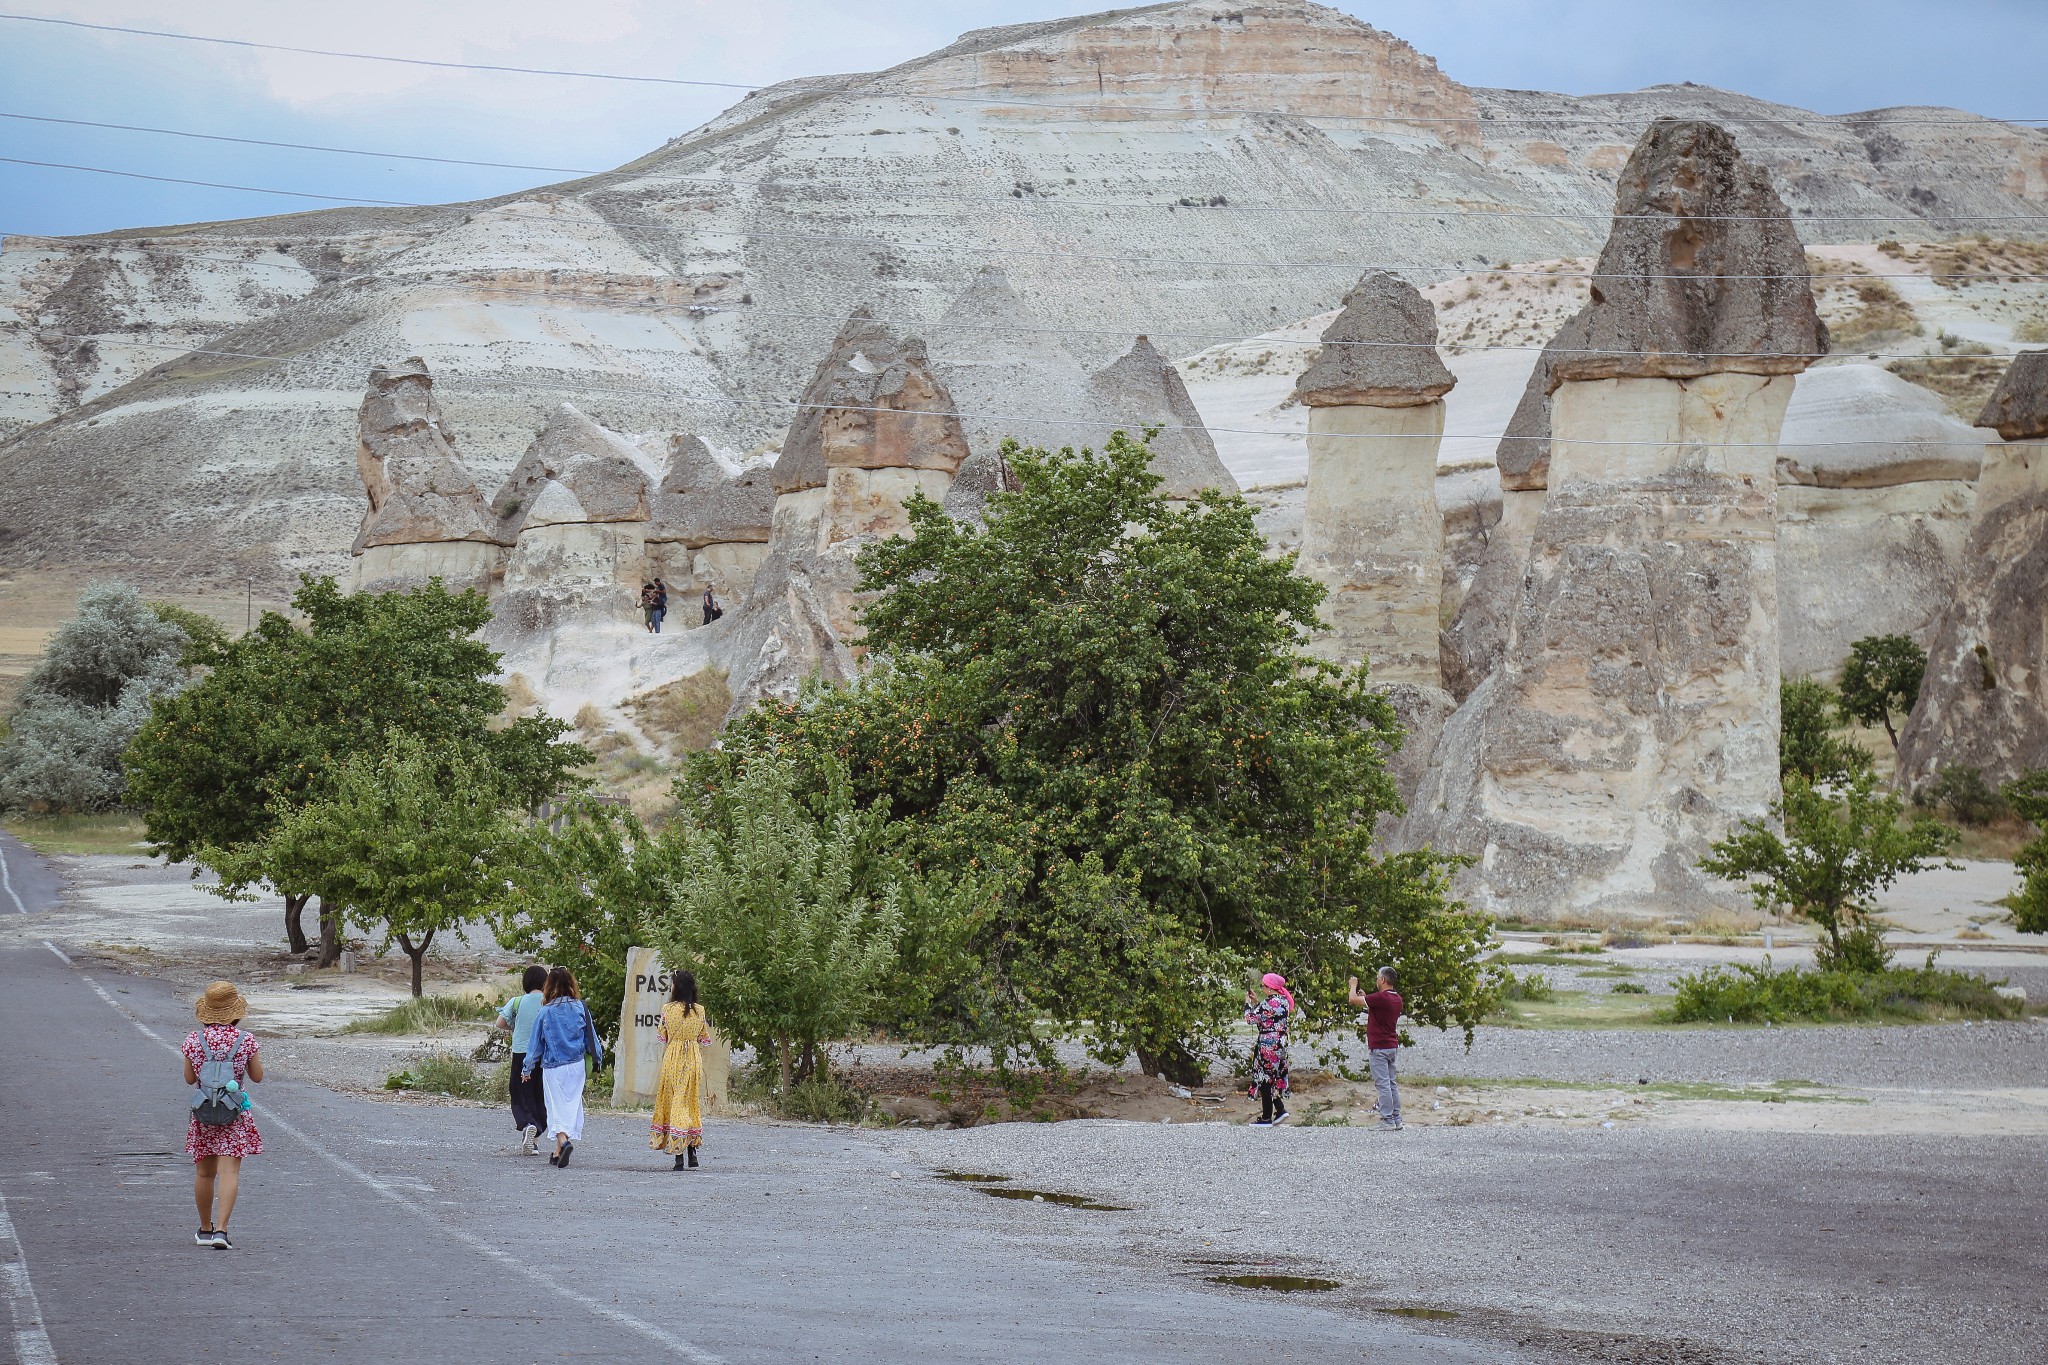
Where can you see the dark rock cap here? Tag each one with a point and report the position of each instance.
(1141, 388)
(703, 501)
(1702, 272)
(420, 492)
(596, 467)
(1404, 373)
(869, 375)
(2018, 408)
(1524, 450)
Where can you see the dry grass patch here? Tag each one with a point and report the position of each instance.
(684, 716)
(1861, 310)
(1962, 376)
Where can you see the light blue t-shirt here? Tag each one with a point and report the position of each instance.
(522, 1012)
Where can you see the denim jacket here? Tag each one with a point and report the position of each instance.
(558, 1038)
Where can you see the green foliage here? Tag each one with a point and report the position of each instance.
(1630, 988)
(286, 706)
(1835, 852)
(1119, 780)
(425, 1014)
(84, 701)
(1755, 995)
(2028, 797)
(780, 914)
(1881, 677)
(406, 842)
(205, 637)
(580, 891)
(818, 1098)
(444, 1073)
(1809, 743)
(1964, 794)
(1533, 986)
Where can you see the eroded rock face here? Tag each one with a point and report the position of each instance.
(420, 492)
(1008, 371)
(1984, 699)
(1141, 388)
(705, 500)
(1470, 646)
(875, 402)
(1524, 451)
(598, 474)
(1702, 272)
(1379, 351)
(984, 473)
(2018, 408)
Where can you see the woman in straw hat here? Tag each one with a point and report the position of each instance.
(217, 1149)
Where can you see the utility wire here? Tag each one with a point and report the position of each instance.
(1854, 122)
(884, 243)
(1027, 202)
(1088, 420)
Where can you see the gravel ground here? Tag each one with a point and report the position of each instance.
(1623, 1245)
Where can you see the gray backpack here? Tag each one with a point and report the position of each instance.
(217, 1100)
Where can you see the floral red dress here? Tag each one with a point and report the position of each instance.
(239, 1138)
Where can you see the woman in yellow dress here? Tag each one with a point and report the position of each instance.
(678, 1125)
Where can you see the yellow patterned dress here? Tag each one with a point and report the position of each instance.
(679, 1094)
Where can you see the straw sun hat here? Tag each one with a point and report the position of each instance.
(222, 1004)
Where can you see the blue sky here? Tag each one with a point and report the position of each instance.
(1835, 56)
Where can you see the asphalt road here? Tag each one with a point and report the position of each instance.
(27, 883)
(373, 1232)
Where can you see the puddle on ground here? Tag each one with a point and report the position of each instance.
(1285, 1284)
(1408, 1311)
(1222, 1260)
(971, 1178)
(1072, 1201)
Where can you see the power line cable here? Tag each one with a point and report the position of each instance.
(990, 250)
(1033, 202)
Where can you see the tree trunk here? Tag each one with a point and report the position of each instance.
(1891, 734)
(330, 936)
(807, 1062)
(418, 956)
(1174, 1062)
(782, 1055)
(294, 929)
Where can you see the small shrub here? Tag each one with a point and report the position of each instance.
(819, 1098)
(1755, 995)
(1534, 986)
(427, 1014)
(1861, 949)
(1630, 988)
(444, 1073)
(1963, 794)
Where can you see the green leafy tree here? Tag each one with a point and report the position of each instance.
(1810, 744)
(1835, 852)
(1121, 782)
(582, 888)
(88, 695)
(408, 842)
(2028, 797)
(1881, 677)
(791, 944)
(286, 705)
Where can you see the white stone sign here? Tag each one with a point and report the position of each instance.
(638, 1066)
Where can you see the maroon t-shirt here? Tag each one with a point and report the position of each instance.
(1382, 1016)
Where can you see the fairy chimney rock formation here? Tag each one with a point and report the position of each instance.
(576, 508)
(1140, 389)
(1633, 718)
(986, 472)
(426, 517)
(1372, 532)
(1984, 698)
(710, 522)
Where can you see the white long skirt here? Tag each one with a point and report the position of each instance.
(563, 1087)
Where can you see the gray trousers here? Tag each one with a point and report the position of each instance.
(1383, 1082)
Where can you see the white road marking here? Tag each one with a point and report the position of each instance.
(482, 1248)
(7, 882)
(62, 956)
(31, 1342)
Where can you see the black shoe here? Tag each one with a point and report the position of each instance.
(693, 1158)
(681, 1165)
(220, 1240)
(554, 1158)
(567, 1148)
(203, 1238)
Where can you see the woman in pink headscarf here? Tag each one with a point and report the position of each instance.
(1269, 1055)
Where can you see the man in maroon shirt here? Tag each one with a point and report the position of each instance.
(1383, 1041)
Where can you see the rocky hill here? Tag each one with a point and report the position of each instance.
(179, 403)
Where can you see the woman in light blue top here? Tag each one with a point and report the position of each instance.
(520, 1014)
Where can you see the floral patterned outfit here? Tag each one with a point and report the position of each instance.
(239, 1138)
(1269, 1054)
(678, 1096)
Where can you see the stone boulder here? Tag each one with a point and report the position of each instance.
(874, 402)
(1142, 388)
(2018, 409)
(1703, 272)
(703, 499)
(420, 491)
(985, 472)
(1379, 351)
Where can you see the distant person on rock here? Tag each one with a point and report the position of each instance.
(660, 604)
(647, 608)
(563, 1040)
(1270, 1017)
(220, 1061)
(678, 1125)
(519, 1017)
(712, 611)
(1383, 1041)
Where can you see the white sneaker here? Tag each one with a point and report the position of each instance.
(529, 1138)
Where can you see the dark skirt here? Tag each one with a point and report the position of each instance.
(529, 1105)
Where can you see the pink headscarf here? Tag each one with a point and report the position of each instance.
(1273, 981)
